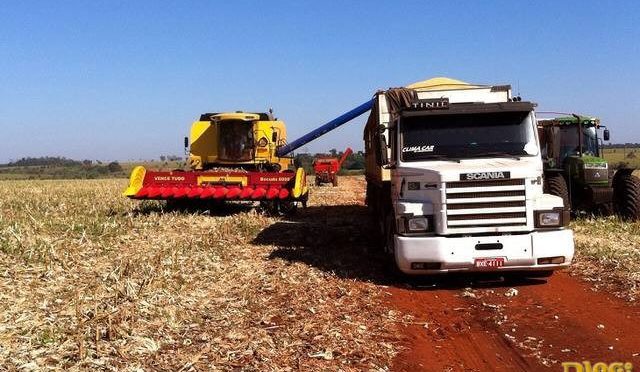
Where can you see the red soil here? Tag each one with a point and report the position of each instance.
(546, 323)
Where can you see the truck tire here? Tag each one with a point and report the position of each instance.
(626, 197)
(389, 250)
(555, 184)
(389, 231)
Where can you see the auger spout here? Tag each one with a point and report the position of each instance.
(333, 124)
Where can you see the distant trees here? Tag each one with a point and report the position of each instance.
(44, 161)
(164, 158)
(621, 145)
(114, 167)
(305, 161)
(354, 161)
(60, 167)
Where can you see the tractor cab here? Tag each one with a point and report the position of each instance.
(571, 144)
(576, 171)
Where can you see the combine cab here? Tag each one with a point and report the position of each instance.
(232, 157)
(326, 168)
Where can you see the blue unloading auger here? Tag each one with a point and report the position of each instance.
(333, 124)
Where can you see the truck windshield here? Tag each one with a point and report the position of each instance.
(467, 136)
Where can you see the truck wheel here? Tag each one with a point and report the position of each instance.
(626, 197)
(389, 231)
(334, 181)
(390, 264)
(555, 184)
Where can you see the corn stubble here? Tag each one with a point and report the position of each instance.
(608, 255)
(92, 281)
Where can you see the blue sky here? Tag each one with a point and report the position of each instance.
(124, 79)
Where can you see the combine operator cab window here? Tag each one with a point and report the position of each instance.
(236, 140)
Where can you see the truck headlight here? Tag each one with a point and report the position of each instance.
(417, 224)
(549, 218)
(554, 218)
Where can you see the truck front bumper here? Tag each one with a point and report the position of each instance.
(520, 252)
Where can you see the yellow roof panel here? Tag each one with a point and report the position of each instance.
(235, 116)
(441, 83)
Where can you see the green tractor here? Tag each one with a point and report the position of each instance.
(575, 169)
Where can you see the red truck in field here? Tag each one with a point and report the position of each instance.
(326, 168)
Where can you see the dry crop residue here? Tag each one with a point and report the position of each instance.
(90, 280)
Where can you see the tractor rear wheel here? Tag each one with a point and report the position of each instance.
(626, 197)
(555, 184)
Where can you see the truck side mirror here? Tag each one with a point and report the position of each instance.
(186, 142)
(606, 135)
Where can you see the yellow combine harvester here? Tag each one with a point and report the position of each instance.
(232, 156)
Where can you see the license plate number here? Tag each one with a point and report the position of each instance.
(489, 263)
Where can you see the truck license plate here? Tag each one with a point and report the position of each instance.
(489, 263)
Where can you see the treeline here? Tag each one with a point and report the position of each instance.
(621, 145)
(57, 167)
(44, 161)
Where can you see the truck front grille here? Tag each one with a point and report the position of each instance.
(486, 203)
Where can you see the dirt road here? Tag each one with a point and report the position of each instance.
(483, 323)
(462, 324)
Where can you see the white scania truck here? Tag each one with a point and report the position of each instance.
(454, 175)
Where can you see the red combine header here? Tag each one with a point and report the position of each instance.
(217, 185)
(326, 168)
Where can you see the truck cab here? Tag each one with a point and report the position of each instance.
(454, 175)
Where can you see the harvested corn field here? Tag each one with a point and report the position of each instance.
(90, 280)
